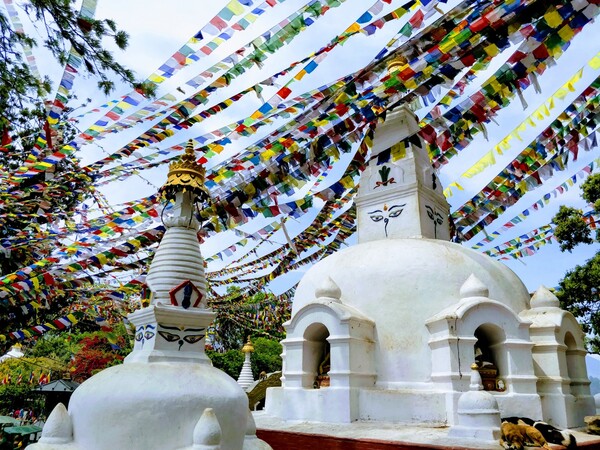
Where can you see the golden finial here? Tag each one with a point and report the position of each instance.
(396, 63)
(474, 366)
(248, 347)
(185, 175)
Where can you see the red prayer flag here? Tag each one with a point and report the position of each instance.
(417, 20)
(284, 92)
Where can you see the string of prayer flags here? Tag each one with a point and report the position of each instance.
(488, 158)
(60, 323)
(540, 203)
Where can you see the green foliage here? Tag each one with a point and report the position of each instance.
(579, 291)
(571, 229)
(229, 362)
(16, 391)
(17, 396)
(60, 347)
(266, 357)
(591, 191)
(580, 287)
(64, 30)
(240, 315)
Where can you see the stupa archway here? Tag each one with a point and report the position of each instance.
(316, 354)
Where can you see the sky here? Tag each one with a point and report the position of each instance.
(158, 28)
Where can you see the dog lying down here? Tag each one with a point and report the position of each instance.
(549, 433)
(516, 436)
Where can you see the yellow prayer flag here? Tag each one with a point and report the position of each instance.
(398, 151)
(72, 318)
(595, 63)
(492, 50)
(347, 182)
(267, 154)
(235, 7)
(538, 114)
(216, 148)
(561, 93)
(354, 28)
(300, 74)
(445, 47)
(411, 84)
(485, 161)
(566, 33)
(156, 78)
(553, 18)
(428, 70)
(575, 78)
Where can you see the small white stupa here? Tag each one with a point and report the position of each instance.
(16, 351)
(166, 395)
(246, 378)
(387, 330)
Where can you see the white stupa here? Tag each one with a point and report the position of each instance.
(166, 395)
(246, 378)
(16, 351)
(388, 329)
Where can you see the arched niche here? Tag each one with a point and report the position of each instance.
(490, 325)
(490, 354)
(316, 355)
(576, 366)
(322, 328)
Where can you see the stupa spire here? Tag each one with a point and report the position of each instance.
(246, 378)
(174, 326)
(166, 394)
(400, 195)
(178, 257)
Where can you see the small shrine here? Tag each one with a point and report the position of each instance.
(388, 330)
(246, 378)
(166, 395)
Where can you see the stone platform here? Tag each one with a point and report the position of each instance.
(283, 435)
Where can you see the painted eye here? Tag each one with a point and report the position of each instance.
(169, 337)
(377, 218)
(396, 212)
(149, 334)
(193, 338)
(139, 336)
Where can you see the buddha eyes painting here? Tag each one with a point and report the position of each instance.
(195, 334)
(435, 217)
(144, 333)
(386, 214)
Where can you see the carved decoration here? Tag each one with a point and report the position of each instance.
(185, 295)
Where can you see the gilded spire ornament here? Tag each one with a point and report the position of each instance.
(396, 63)
(248, 347)
(185, 175)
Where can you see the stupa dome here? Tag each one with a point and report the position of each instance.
(399, 284)
(165, 398)
(387, 329)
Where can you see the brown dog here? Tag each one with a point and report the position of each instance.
(515, 437)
